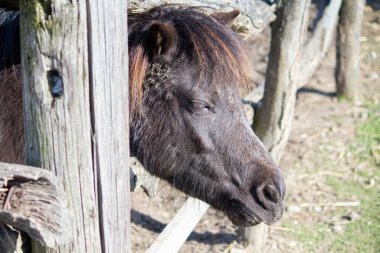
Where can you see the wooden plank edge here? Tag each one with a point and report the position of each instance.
(179, 228)
(21, 183)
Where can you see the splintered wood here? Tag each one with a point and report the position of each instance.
(33, 200)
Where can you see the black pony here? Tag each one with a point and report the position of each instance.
(187, 123)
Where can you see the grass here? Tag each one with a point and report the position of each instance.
(361, 181)
(363, 235)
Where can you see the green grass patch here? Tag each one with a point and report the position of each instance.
(361, 182)
(310, 236)
(369, 136)
(363, 235)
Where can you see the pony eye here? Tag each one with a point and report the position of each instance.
(199, 106)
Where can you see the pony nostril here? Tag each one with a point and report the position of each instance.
(271, 193)
(268, 196)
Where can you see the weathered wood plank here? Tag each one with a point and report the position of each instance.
(176, 232)
(275, 114)
(57, 109)
(319, 43)
(75, 61)
(108, 47)
(33, 200)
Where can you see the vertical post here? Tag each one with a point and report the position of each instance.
(347, 72)
(75, 75)
(274, 117)
(57, 109)
(108, 47)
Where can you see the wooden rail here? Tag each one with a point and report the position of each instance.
(176, 232)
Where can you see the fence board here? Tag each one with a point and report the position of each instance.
(76, 113)
(179, 228)
(109, 92)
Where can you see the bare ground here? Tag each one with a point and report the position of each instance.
(322, 129)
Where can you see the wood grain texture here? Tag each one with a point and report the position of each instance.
(58, 131)
(315, 49)
(33, 200)
(275, 115)
(108, 47)
(81, 135)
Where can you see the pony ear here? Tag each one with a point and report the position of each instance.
(226, 18)
(162, 41)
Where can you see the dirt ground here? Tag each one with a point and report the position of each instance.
(322, 125)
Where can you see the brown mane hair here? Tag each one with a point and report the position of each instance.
(207, 42)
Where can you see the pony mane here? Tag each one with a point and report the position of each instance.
(208, 43)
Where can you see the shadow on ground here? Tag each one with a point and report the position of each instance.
(155, 226)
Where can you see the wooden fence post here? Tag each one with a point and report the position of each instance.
(347, 72)
(75, 77)
(317, 46)
(274, 117)
(108, 47)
